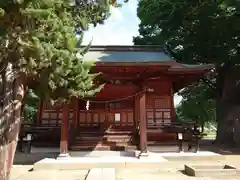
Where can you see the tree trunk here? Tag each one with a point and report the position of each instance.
(10, 123)
(228, 106)
(202, 127)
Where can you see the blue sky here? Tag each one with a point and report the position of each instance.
(118, 29)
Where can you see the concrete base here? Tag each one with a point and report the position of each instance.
(144, 155)
(63, 156)
(99, 162)
(111, 160)
(206, 170)
(95, 154)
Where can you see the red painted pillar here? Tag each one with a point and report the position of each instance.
(143, 123)
(39, 112)
(136, 113)
(64, 131)
(172, 110)
(76, 113)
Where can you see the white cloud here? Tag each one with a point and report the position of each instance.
(118, 29)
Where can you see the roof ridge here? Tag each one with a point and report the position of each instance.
(144, 48)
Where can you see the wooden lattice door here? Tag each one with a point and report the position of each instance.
(120, 113)
(107, 114)
(158, 110)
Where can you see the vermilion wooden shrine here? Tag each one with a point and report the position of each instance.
(137, 98)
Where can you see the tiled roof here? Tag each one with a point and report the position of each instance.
(136, 54)
(126, 54)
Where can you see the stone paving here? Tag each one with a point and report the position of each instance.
(24, 172)
(176, 171)
(156, 174)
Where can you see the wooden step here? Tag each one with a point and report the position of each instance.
(164, 143)
(90, 148)
(101, 143)
(118, 132)
(106, 141)
(90, 134)
(117, 136)
(88, 138)
(117, 140)
(102, 148)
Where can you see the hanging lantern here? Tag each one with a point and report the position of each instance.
(87, 105)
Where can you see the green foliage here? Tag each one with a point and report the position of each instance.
(30, 107)
(194, 32)
(196, 105)
(39, 38)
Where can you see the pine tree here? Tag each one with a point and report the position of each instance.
(38, 44)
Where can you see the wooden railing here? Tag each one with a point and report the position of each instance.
(45, 134)
(185, 132)
(174, 127)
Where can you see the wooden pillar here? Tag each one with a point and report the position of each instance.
(143, 123)
(64, 131)
(76, 113)
(39, 112)
(172, 109)
(136, 112)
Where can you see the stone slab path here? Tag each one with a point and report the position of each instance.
(25, 173)
(165, 170)
(156, 174)
(101, 174)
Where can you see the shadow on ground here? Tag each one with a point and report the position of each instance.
(29, 159)
(209, 145)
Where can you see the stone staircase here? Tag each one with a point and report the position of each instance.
(108, 140)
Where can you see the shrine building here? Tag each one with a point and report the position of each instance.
(138, 97)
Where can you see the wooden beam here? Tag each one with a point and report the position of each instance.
(133, 73)
(64, 131)
(143, 123)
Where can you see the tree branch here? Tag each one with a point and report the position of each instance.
(209, 83)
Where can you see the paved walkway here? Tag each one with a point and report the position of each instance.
(151, 174)
(163, 171)
(24, 173)
(175, 172)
